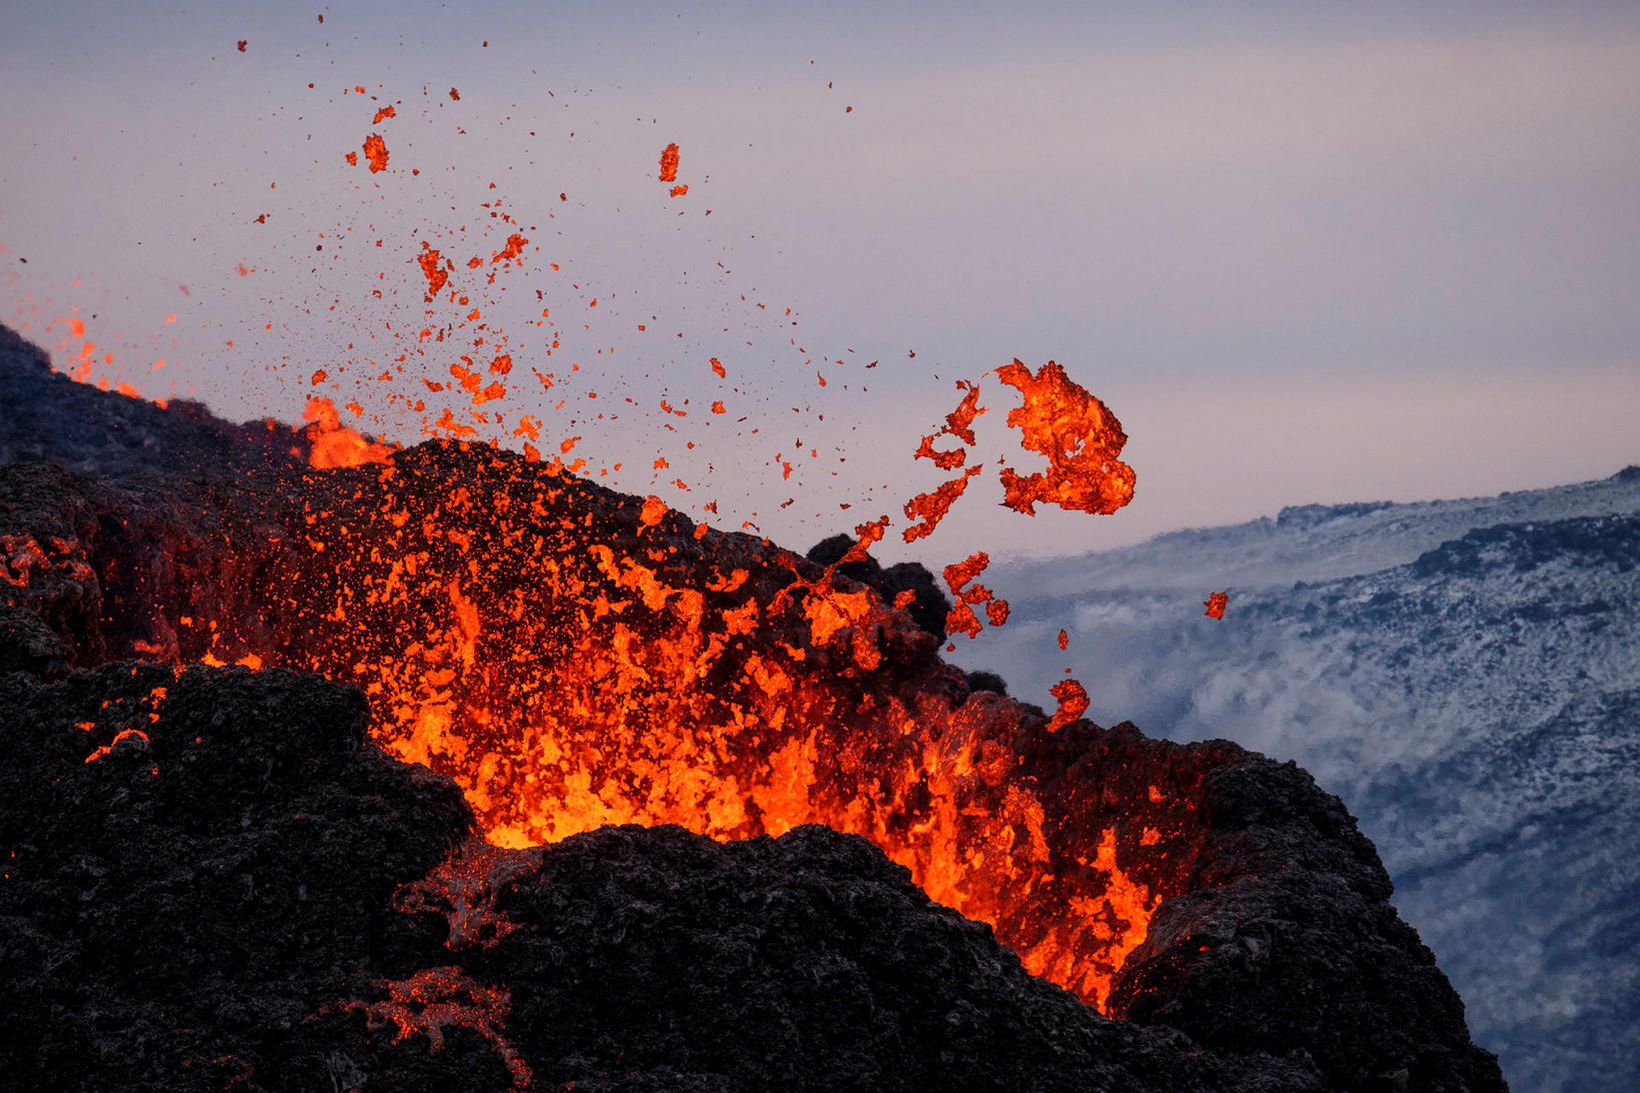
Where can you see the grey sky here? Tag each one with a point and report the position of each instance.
(1305, 252)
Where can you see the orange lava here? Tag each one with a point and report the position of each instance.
(1216, 603)
(375, 150)
(436, 274)
(334, 444)
(123, 734)
(669, 163)
(959, 576)
(572, 667)
(1080, 438)
(434, 999)
(511, 252)
(928, 509)
(1073, 703)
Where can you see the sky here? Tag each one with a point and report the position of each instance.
(1305, 253)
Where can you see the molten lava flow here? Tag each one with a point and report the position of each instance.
(434, 999)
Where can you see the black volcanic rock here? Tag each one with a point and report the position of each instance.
(178, 910)
(1290, 938)
(238, 891)
(210, 905)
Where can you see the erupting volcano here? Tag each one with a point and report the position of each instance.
(441, 765)
(574, 658)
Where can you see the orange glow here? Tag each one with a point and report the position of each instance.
(1080, 437)
(573, 663)
(123, 734)
(334, 444)
(434, 999)
(1216, 603)
(1073, 703)
(669, 163)
(375, 150)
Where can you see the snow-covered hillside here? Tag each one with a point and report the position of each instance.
(1465, 674)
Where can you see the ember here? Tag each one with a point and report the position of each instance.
(375, 150)
(1080, 437)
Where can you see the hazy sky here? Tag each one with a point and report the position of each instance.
(1305, 252)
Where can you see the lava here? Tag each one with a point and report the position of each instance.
(375, 150)
(1080, 437)
(434, 999)
(574, 659)
(1215, 603)
(334, 444)
(960, 577)
(1073, 703)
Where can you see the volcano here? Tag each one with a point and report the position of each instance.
(332, 766)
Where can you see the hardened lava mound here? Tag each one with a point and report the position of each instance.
(592, 796)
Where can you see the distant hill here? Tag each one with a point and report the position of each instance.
(1465, 674)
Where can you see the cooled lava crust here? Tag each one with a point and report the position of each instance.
(219, 877)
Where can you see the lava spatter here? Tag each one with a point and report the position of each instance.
(375, 151)
(1080, 437)
(433, 267)
(928, 509)
(334, 444)
(1073, 703)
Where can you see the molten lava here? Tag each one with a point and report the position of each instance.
(1076, 432)
(334, 444)
(575, 658)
